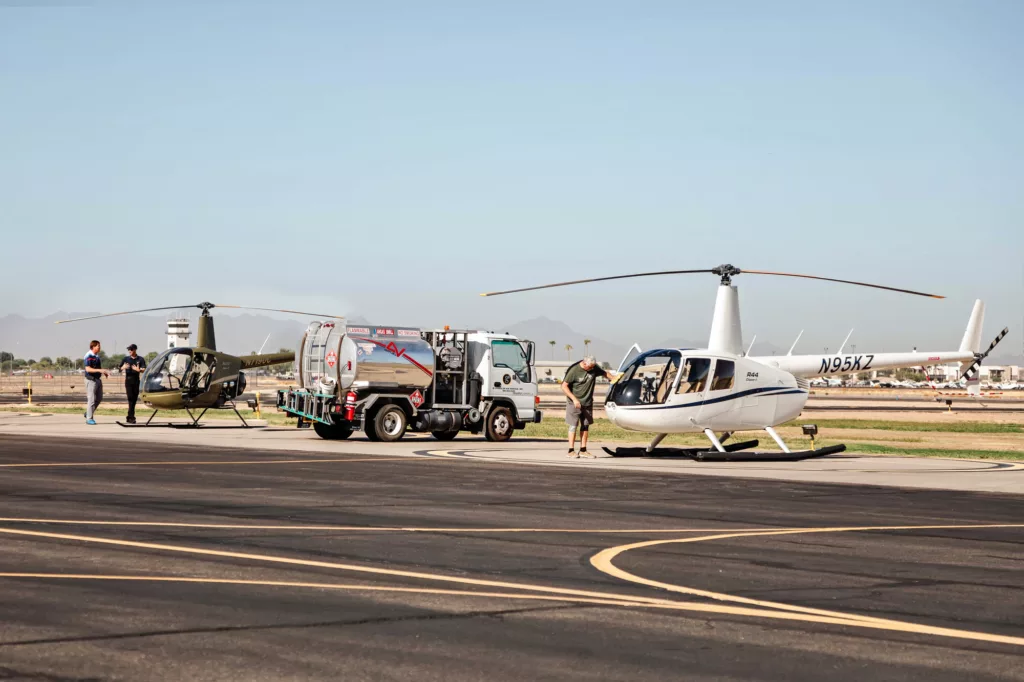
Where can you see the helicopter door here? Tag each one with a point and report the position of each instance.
(694, 381)
(630, 356)
(198, 375)
(717, 400)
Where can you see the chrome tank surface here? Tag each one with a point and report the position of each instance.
(339, 358)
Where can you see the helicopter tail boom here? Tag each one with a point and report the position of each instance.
(266, 359)
(968, 355)
(811, 366)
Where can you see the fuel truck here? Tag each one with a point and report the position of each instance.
(385, 381)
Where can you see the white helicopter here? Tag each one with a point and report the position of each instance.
(722, 389)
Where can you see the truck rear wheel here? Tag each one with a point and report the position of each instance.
(332, 431)
(389, 424)
(445, 435)
(500, 425)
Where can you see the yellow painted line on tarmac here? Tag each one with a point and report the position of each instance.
(323, 564)
(321, 586)
(848, 620)
(371, 529)
(321, 460)
(604, 562)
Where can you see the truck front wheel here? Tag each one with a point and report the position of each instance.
(389, 423)
(332, 431)
(500, 425)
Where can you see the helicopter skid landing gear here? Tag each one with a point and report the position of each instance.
(689, 453)
(714, 440)
(800, 455)
(194, 424)
(195, 420)
(654, 443)
(734, 452)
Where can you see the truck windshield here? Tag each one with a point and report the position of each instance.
(508, 354)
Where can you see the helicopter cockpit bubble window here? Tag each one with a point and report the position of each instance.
(695, 375)
(166, 371)
(725, 373)
(648, 380)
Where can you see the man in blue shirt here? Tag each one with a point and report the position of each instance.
(94, 374)
(133, 365)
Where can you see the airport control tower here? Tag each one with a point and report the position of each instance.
(177, 337)
(178, 331)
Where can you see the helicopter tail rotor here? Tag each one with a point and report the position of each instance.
(973, 370)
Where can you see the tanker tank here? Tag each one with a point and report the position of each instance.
(333, 358)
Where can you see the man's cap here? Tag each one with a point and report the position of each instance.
(133, 347)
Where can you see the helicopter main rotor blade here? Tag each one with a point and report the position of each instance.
(841, 281)
(596, 279)
(128, 312)
(280, 310)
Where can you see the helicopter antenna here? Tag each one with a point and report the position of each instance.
(264, 344)
(751, 346)
(795, 342)
(843, 344)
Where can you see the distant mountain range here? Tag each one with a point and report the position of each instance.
(37, 337)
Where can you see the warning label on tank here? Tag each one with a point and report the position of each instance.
(332, 358)
(416, 398)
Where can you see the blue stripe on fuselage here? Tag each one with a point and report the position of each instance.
(782, 390)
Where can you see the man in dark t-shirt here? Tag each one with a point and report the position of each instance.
(133, 365)
(578, 386)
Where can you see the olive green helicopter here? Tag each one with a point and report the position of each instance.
(194, 378)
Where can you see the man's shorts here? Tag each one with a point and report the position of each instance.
(584, 416)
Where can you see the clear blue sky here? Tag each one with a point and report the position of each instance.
(395, 159)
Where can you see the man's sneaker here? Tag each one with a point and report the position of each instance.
(572, 454)
(90, 422)
(584, 453)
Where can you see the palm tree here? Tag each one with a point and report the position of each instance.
(586, 346)
(552, 349)
(568, 351)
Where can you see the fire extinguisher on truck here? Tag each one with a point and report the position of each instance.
(385, 381)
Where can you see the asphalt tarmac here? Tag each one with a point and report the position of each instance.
(128, 560)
